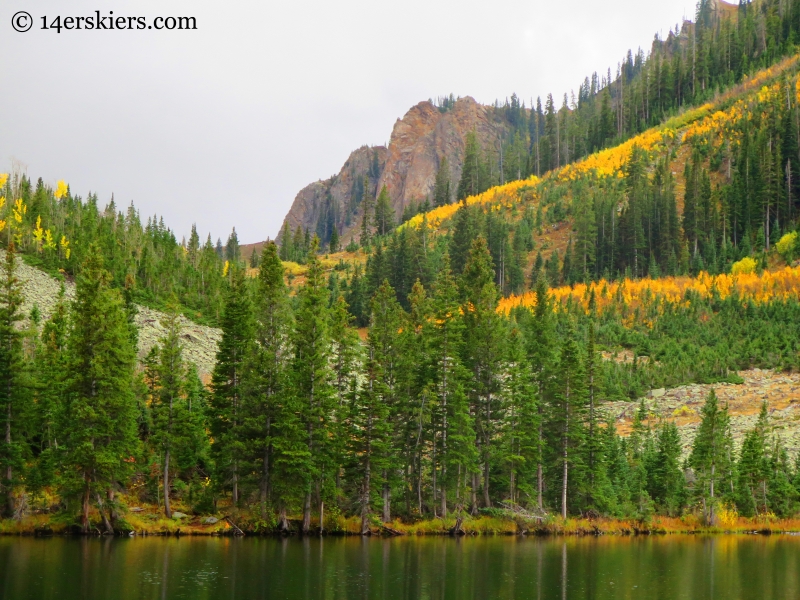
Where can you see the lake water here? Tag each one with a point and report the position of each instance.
(653, 567)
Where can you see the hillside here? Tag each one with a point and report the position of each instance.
(199, 342)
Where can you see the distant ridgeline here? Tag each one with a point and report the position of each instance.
(54, 229)
(449, 149)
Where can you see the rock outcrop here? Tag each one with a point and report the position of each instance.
(683, 404)
(199, 342)
(418, 144)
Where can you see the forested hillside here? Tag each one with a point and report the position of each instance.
(474, 363)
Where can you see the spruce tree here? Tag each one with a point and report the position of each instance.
(567, 413)
(226, 410)
(12, 367)
(711, 456)
(311, 380)
(266, 366)
(483, 353)
(469, 184)
(441, 186)
(384, 213)
(97, 439)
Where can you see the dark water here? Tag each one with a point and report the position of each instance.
(351, 568)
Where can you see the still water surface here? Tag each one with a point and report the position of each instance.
(409, 568)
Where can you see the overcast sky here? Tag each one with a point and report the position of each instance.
(222, 126)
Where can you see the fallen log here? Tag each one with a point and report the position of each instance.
(235, 527)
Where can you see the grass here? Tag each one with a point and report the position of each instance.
(151, 521)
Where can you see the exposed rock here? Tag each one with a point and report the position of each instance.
(419, 142)
(683, 404)
(210, 521)
(199, 342)
(179, 515)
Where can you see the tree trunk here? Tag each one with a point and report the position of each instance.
(486, 501)
(167, 509)
(235, 495)
(387, 513)
(473, 509)
(307, 514)
(9, 472)
(106, 522)
(85, 506)
(283, 523)
(321, 516)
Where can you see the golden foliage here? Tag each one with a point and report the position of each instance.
(3, 179)
(787, 244)
(61, 189)
(501, 196)
(727, 516)
(783, 284)
(744, 267)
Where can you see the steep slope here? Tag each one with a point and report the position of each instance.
(419, 142)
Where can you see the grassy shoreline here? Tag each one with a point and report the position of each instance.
(155, 524)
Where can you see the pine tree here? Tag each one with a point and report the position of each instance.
(470, 182)
(457, 455)
(711, 455)
(266, 372)
(753, 468)
(226, 411)
(669, 484)
(567, 414)
(98, 432)
(287, 250)
(311, 379)
(334, 243)
(483, 352)
(167, 416)
(384, 213)
(50, 374)
(12, 366)
(366, 216)
(441, 186)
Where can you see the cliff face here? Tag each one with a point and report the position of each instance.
(418, 144)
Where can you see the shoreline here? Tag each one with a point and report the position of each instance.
(482, 526)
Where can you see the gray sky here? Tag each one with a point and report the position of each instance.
(224, 125)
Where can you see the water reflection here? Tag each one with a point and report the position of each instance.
(747, 567)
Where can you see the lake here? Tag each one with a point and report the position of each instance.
(651, 567)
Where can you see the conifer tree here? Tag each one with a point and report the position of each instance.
(12, 366)
(458, 456)
(98, 432)
(266, 372)
(711, 456)
(470, 182)
(366, 216)
(226, 411)
(441, 186)
(483, 353)
(669, 484)
(311, 380)
(384, 213)
(753, 468)
(177, 429)
(50, 375)
(567, 412)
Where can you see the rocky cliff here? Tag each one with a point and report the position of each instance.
(418, 144)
